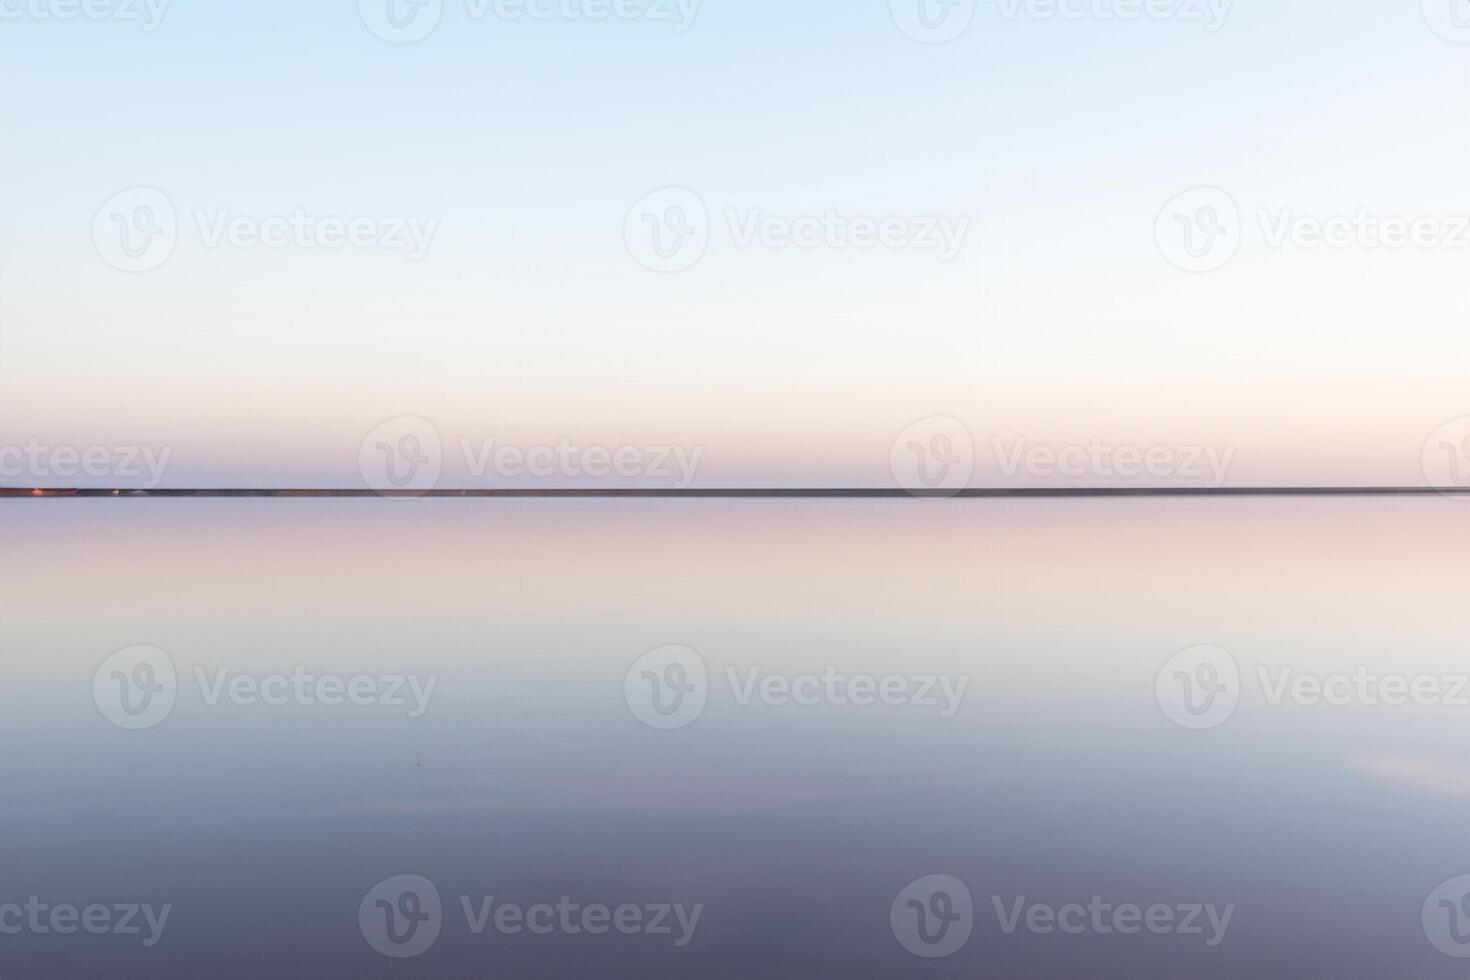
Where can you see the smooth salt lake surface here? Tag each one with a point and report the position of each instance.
(529, 776)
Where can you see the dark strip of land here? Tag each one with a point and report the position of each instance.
(830, 492)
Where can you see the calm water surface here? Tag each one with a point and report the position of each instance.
(1032, 753)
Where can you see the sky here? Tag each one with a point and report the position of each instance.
(787, 244)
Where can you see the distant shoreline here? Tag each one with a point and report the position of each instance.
(794, 493)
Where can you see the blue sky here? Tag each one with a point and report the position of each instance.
(527, 142)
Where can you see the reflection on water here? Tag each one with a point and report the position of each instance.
(734, 738)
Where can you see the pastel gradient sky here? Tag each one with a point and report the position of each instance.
(529, 321)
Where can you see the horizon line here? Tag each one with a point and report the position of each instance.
(735, 492)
